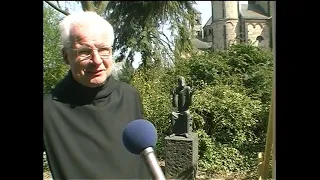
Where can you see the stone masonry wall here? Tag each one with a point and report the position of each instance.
(231, 9)
(255, 29)
(232, 30)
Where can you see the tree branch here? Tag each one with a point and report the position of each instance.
(102, 7)
(58, 4)
(57, 8)
(161, 42)
(166, 37)
(87, 6)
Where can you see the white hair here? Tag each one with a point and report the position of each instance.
(84, 18)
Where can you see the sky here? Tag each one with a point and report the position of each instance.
(203, 6)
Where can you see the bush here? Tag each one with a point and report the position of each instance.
(230, 104)
(156, 101)
(228, 116)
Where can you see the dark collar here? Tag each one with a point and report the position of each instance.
(70, 91)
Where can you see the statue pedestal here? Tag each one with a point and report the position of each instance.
(181, 159)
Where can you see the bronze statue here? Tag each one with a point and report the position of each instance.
(181, 119)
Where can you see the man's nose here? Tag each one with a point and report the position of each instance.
(96, 59)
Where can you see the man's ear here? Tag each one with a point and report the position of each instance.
(65, 55)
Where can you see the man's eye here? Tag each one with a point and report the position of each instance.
(104, 51)
(85, 52)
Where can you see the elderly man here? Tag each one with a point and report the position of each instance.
(85, 113)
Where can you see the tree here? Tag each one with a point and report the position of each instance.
(139, 27)
(54, 67)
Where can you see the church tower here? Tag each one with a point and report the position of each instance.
(225, 23)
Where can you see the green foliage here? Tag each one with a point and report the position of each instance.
(228, 117)
(156, 100)
(206, 68)
(138, 27)
(230, 103)
(126, 73)
(54, 67)
(255, 67)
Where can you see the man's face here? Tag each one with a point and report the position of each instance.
(90, 57)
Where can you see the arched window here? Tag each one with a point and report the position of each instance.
(260, 38)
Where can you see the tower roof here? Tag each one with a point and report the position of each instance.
(209, 22)
(252, 11)
(200, 44)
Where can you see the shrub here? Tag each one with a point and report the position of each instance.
(156, 101)
(230, 103)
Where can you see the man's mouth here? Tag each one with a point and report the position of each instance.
(94, 71)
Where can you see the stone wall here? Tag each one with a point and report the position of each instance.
(218, 40)
(255, 29)
(232, 31)
(231, 9)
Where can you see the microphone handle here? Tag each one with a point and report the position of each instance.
(151, 162)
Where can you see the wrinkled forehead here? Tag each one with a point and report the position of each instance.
(89, 33)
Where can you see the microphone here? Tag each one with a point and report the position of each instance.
(140, 137)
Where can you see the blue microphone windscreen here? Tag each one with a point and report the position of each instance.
(139, 135)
